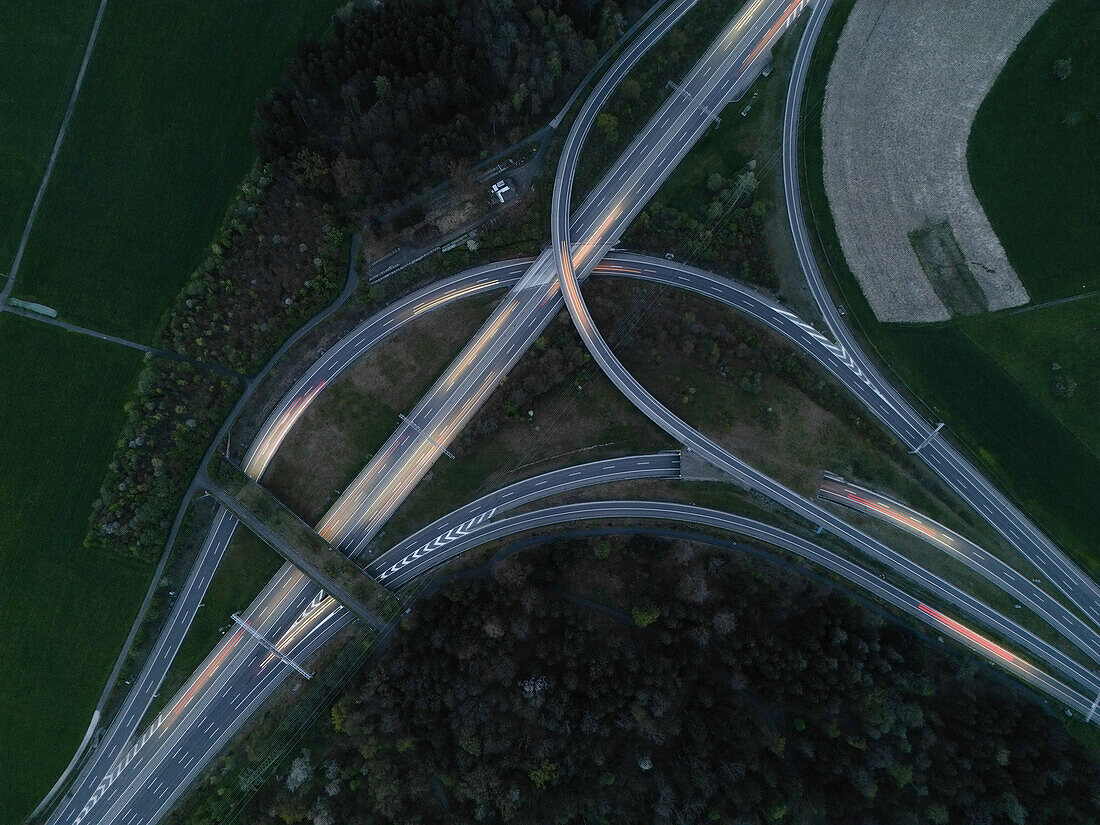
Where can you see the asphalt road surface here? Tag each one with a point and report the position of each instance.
(1024, 590)
(700, 516)
(573, 255)
(142, 784)
(383, 484)
(909, 426)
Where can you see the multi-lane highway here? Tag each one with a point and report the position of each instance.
(360, 341)
(142, 784)
(427, 547)
(573, 258)
(690, 514)
(909, 426)
(408, 454)
(1026, 591)
(374, 495)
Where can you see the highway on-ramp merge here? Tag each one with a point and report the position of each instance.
(909, 425)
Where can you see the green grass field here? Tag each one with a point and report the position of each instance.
(1034, 154)
(158, 142)
(1028, 345)
(41, 45)
(984, 376)
(64, 610)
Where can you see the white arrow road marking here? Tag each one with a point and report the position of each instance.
(454, 533)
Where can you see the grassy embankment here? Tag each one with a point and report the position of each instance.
(990, 378)
(246, 567)
(351, 420)
(139, 188)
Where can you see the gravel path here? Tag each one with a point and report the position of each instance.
(902, 93)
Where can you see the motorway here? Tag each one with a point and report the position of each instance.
(700, 516)
(366, 335)
(909, 426)
(425, 548)
(237, 677)
(1024, 590)
(356, 344)
(571, 255)
(383, 484)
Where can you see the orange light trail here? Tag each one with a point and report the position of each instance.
(916, 525)
(209, 669)
(771, 32)
(966, 632)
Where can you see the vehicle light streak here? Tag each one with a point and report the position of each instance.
(598, 236)
(257, 462)
(452, 296)
(967, 633)
(771, 32)
(886, 511)
(483, 340)
(210, 668)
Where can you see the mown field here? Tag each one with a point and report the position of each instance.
(159, 140)
(988, 378)
(1033, 154)
(64, 610)
(41, 45)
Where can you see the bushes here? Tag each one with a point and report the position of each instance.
(169, 424)
(408, 90)
(730, 346)
(403, 93)
(276, 260)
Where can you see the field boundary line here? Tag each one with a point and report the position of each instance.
(6, 290)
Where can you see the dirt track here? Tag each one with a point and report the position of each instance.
(902, 93)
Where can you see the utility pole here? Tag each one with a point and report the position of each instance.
(924, 443)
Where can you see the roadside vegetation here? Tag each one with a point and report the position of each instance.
(64, 610)
(279, 254)
(374, 120)
(141, 183)
(628, 679)
(554, 409)
(248, 565)
(351, 420)
(991, 399)
(645, 88)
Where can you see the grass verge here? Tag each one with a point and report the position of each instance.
(245, 568)
(354, 416)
